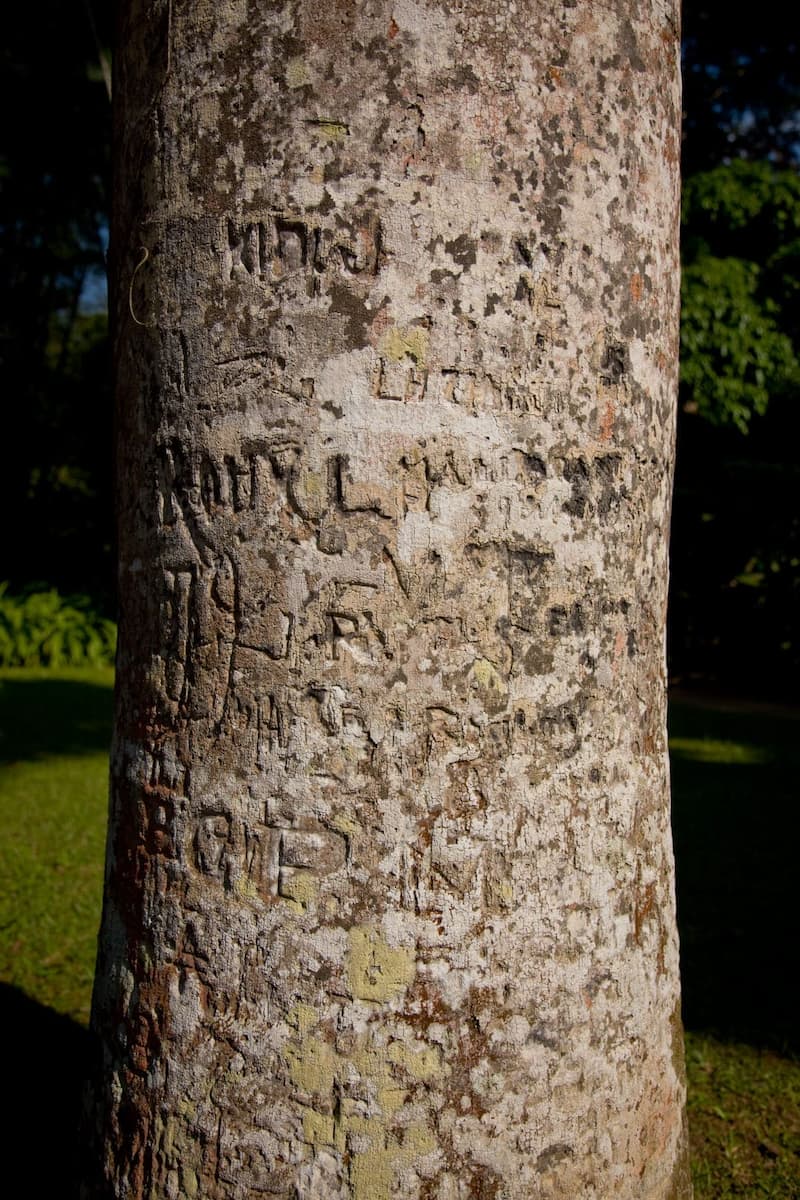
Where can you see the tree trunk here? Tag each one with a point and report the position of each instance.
(389, 908)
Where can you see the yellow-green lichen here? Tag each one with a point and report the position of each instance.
(391, 1099)
(310, 491)
(370, 1062)
(418, 1140)
(345, 824)
(303, 1018)
(375, 970)
(498, 887)
(316, 485)
(246, 888)
(411, 342)
(179, 1150)
(486, 674)
(299, 889)
(312, 1065)
(384, 1151)
(189, 1181)
(373, 1172)
(423, 1063)
(297, 73)
(335, 131)
(320, 1129)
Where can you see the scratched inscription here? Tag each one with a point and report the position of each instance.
(279, 247)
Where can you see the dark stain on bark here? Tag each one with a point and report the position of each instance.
(358, 317)
(615, 362)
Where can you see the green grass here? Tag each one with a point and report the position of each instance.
(54, 735)
(735, 818)
(744, 1120)
(736, 831)
(736, 825)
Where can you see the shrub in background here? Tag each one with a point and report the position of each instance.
(43, 629)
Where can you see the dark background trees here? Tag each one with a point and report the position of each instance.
(736, 534)
(735, 543)
(55, 485)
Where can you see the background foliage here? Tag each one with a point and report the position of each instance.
(43, 629)
(736, 533)
(55, 486)
(740, 291)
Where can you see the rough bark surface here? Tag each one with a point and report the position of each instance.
(389, 910)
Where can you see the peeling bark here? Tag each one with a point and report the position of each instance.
(389, 908)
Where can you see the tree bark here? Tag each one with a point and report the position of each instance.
(389, 908)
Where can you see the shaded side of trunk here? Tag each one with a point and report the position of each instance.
(389, 909)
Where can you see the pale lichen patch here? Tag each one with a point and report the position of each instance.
(377, 971)
(373, 1172)
(412, 342)
(334, 131)
(422, 1063)
(486, 675)
(345, 824)
(299, 888)
(312, 1065)
(298, 73)
(303, 1017)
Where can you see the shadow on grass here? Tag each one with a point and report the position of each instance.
(45, 1063)
(736, 822)
(47, 716)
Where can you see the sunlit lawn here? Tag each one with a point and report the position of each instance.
(736, 821)
(736, 838)
(54, 735)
